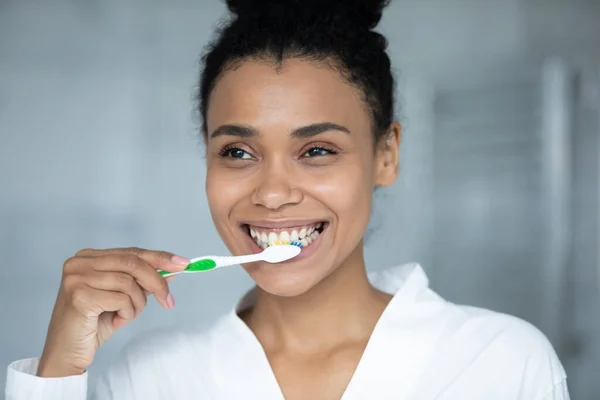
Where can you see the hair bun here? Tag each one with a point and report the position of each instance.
(363, 13)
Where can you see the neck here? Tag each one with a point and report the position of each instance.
(342, 308)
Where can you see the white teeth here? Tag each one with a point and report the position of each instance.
(273, 238)
(305, 236)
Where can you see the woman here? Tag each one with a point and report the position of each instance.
(297, 106)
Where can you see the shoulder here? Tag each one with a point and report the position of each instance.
(505, 330)
(467, 347)
(478, 353)
(504, 349)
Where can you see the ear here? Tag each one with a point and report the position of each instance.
(388, 156)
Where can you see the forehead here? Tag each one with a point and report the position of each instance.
(295, 93)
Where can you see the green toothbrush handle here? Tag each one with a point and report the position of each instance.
(205, 264)
(211, 262)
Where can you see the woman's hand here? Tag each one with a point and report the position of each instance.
(100, 292)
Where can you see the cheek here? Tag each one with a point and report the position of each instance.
(223, 191)
(347, 190)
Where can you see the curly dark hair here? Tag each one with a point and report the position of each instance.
(336, 32)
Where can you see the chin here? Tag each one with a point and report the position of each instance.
(284, 282)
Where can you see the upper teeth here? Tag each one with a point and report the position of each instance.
(304, 235)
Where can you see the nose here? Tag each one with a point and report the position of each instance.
(276, 188)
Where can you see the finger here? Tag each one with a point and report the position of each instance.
(93, 302)
(144, 274)
(168, 279)
(120, 282)
(118, 322)
(157, 259)
(161, 259)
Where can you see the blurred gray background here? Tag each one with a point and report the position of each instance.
(499, 190)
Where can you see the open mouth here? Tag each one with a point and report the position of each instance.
(304, 235)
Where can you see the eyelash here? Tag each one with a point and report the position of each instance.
(226, 152)
(329, 150)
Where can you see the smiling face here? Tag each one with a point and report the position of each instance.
(290, 156)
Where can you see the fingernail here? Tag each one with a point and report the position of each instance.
(180, 260)
(170, 301)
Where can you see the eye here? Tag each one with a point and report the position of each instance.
(235, 152)
(318, 151)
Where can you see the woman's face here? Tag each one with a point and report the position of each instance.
(290, 156)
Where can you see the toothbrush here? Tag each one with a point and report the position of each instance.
(272, 254)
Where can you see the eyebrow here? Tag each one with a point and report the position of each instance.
(299, 133)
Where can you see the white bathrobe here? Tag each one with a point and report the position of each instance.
(422, 348)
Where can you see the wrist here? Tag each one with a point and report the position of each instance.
(55, 369)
